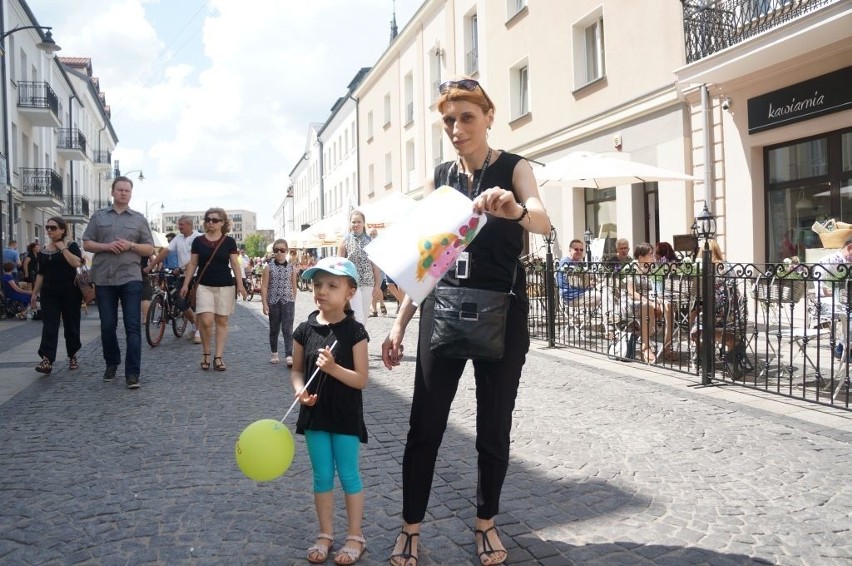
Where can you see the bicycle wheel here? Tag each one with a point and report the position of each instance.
(155, 324)
(178, 322)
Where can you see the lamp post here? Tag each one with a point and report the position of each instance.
(549, 290)
(148, 212)
(587, 239)
(704, 227)
(49, 46)
(117, 172)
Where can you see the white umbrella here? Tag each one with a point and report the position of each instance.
(592, 170)
(160, 240)
(382, 212)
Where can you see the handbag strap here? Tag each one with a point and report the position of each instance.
(209, 261)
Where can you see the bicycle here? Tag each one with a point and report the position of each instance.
(163, 310)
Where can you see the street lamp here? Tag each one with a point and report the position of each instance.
(587, 239)
(117, 172)
(148, 212)
(49, 46)
(704, 227)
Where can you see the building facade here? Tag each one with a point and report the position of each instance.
(57, 135)
(682, 92)
(243, 222)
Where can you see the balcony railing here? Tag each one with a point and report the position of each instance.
(102, 157)
(78, 206)
(41, 183)
(37, 95)
(711, 26)
(71, 138)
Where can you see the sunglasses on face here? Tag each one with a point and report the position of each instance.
(464, 84)
(51, 228)
(577, 249)
(280, 250)
(213, 220)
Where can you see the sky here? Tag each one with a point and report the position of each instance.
(212, 99)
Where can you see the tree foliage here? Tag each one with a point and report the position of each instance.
(255, 245)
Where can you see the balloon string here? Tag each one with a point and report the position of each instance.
(303, 389)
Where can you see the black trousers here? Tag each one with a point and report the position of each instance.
(281, 317)
(56, 305)
(435, 384)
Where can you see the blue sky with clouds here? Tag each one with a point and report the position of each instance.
(212, 98)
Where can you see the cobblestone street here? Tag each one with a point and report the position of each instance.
(609, 466)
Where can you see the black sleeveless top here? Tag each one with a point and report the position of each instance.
(495, 251)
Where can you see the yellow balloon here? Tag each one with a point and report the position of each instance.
(265, 450)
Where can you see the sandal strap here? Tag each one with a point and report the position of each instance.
(326, 536)
(357, 538)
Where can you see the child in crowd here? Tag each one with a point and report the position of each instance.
(278, 293)
(331, 415)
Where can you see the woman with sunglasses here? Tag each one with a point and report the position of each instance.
(503, 186)
(60, 298)
(278, 294)
(216, 256)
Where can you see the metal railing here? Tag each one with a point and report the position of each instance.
(780, 328)
(710, 26)
(37, 95)
(78, 206)
(41, 182)
(102, 157)
(71, 138)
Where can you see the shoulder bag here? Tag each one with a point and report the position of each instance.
(84, 282)
(193, 289)
(470, 323)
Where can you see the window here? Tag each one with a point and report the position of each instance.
(369, 126)
(388, 170)
(807, 181)
(513, 7)
(387, 103)
(602, 220)
(437, 143)
(519, 81)
(589, 49)
(410, 167)
(472, 55)
(409, 99)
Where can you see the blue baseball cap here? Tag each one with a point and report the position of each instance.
(335, 265)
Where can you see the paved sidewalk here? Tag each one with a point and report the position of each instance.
(611, 464)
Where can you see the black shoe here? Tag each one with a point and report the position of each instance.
(109, 374)
(132, 382)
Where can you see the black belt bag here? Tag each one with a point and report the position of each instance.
(470, 323)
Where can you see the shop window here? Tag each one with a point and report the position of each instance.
(808, 181)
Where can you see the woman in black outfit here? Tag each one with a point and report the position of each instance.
(30, 264)
(60, 297)
(503, 186)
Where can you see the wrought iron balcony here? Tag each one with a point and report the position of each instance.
(38, 102)
(41, 187)
(102, 159)
(71, 144)
(713, 25)
(77, 209)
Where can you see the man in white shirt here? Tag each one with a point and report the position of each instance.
(182, 244)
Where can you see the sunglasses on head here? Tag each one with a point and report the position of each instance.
(51, 228)
(464, 84)
(280, 250)
(213, 220)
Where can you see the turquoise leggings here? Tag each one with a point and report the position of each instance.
(328, 450)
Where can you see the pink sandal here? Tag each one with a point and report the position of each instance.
(318, 553)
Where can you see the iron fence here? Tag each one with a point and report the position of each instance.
(781, 328)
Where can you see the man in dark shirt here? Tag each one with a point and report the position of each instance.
(118, 237)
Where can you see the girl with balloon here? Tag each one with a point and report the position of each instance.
(331, 415)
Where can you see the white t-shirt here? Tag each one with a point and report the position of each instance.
(183, 246)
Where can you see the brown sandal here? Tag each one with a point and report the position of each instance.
(45, 366)
(205, 365)
(219, 365)
(402, 558)
(488, 552)
(73, 363)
